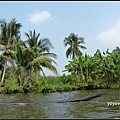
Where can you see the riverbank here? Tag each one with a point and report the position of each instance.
(51, 84)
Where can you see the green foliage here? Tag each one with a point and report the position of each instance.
(104, 67)
(91, 84)
(59, 87)
(10, 87)
(69, 79)
(81, 86)
(38, 83)
(46, 88)
(112, 85)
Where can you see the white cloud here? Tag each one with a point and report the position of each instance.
(39, 17)
(110, 38)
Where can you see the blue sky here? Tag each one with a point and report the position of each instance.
(98, 22)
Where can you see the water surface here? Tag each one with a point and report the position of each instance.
(95, 108)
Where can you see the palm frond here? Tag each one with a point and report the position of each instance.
(46, 62)
(7, 58)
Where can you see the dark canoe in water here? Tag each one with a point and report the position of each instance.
(63, 101)
(83, 99)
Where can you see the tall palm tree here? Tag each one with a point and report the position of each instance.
(74, 43)
(42, 49)
(23, 57)
(10, 35)
(10, 32)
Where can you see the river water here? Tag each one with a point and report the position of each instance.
(96, 108)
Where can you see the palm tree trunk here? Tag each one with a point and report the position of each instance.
(3, 75)
(73, 56)
(19, 80)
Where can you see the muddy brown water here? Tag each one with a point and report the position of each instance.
(106, 106)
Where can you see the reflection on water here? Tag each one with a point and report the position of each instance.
(95, 108)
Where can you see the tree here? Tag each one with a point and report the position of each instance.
(74, 43)
(41, 47)
(23, 57)
(10, 35)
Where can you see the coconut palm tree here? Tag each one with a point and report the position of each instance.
(23, 57)
(10, 35)
(42, 49)
(10, 32)
(75, 44)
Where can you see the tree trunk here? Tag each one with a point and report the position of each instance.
(19, 80)
(3, 75)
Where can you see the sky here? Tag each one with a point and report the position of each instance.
(98, 22)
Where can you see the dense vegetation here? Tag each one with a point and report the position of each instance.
(22, 62)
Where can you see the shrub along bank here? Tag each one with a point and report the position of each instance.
(51, 84)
